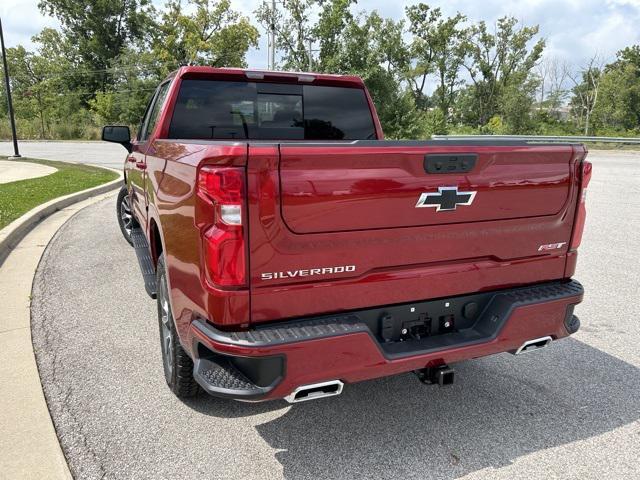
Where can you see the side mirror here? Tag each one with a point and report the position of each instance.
(117, 134)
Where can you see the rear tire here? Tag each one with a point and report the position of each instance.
(126, 220)
(178, 366)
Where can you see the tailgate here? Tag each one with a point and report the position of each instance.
(344, 226)
(337, 190)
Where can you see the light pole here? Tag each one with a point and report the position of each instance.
(14, 136)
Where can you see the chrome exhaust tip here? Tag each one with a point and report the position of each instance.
(532, 345)
(315, 391)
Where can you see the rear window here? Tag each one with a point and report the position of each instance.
(216, 110)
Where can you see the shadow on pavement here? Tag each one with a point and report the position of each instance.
(500, 408)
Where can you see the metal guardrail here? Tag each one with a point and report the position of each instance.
(542, 138)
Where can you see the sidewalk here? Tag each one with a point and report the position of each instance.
(12, 171)
(29, 446)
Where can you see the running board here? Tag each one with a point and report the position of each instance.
(147, 267)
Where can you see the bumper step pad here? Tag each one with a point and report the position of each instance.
(143, 252)
(544, 293)
(287, 332)
(219, 377)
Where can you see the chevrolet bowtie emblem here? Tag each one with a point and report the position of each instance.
(446, 198)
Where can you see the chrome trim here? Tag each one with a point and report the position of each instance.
(291, 398)
(523, 347)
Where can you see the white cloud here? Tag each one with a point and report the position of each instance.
(21, 19)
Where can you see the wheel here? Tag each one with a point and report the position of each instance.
(178, 366)
(125, 216)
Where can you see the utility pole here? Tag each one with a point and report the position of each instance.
(310, 51)
(310, 54)
(272, 39)
(14, 136)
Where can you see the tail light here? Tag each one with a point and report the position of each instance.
(581, 213)
(223, 237)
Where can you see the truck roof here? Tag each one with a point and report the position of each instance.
(267, 76)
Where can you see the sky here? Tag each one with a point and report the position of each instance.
(575, 30)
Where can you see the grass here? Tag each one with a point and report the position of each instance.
(17, 198)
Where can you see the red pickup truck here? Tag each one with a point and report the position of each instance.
(292, 250)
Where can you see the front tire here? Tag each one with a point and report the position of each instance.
(126, 220)
(178, 366)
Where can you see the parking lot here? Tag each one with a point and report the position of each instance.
(569, 411)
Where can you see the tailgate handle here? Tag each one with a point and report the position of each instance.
(449, 162)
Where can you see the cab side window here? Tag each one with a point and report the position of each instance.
(153, 112)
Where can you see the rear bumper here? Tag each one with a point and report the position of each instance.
(271, 361)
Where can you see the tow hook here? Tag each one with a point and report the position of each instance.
(442, 375)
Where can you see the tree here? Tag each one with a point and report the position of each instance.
(293, 29)
(99, 30)
(500, 64)
(553, 74)
(214, 34)
(436, 49)
(28, 85)
(334, 18)
(618, 106)
(135, 76)
(427, 73)
(40, 79)
(585, 91)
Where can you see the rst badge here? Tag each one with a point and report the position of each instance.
(446, 198)
(551, 246)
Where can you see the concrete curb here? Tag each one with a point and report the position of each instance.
(11, 235)
(29, 445)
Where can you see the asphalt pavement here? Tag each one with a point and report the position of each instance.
(93, 153)
(569, 411)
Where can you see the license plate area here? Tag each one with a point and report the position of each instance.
(413, 322)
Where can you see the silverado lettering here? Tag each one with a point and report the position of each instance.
(307, 272)
(237, 178)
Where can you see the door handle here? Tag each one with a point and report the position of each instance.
(131, 159)
(449, 163)
(141, 165)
